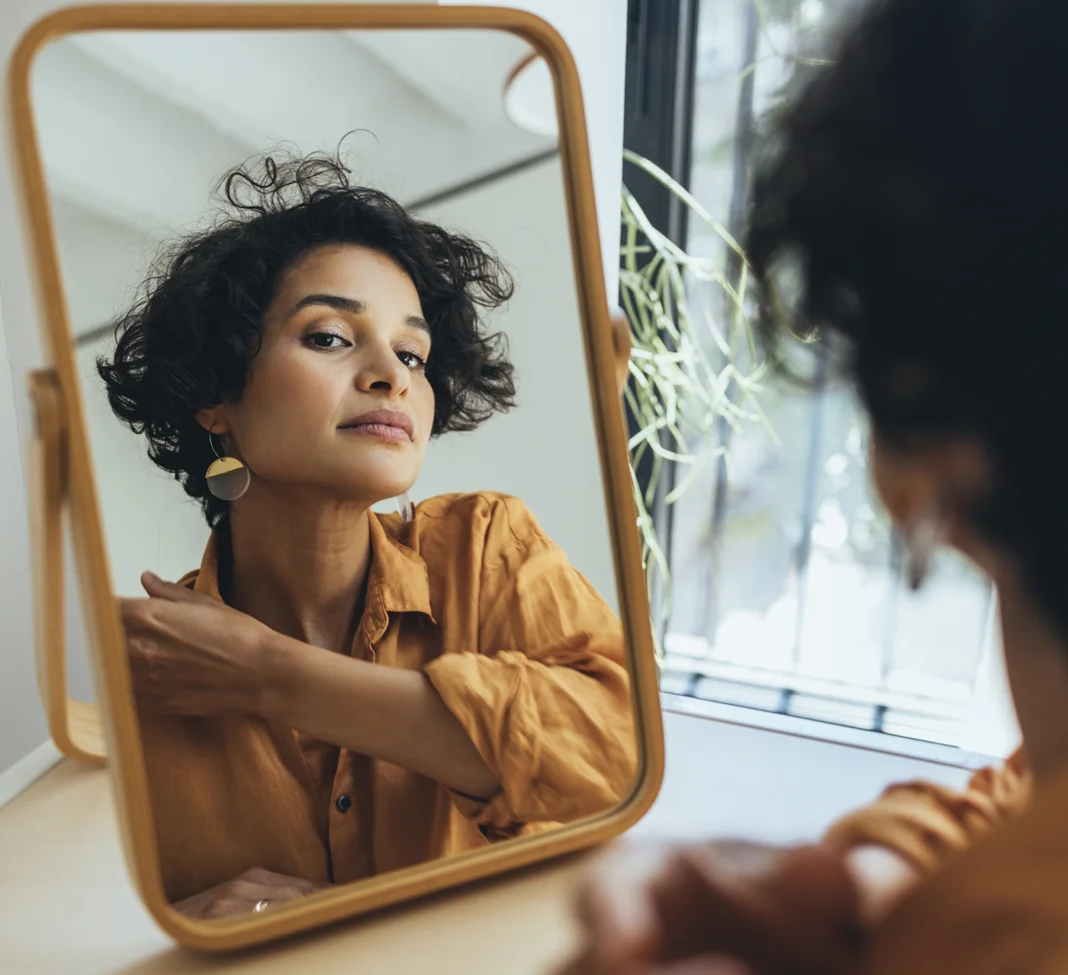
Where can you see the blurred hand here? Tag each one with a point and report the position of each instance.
(726, 908)
(242, 894)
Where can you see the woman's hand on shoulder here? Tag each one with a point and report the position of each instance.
(726, 908)
(193, 655)
(242, 894)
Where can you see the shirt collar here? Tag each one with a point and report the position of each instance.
(397, 578)
(399, 572)
(206, 581)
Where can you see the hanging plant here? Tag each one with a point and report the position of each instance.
(692, 366)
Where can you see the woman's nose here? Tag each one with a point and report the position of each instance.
(381, 370)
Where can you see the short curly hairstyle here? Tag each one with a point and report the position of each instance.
(188, 341)
(909, 210)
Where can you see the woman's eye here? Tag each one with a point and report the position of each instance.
(411, 360)
(326, 340)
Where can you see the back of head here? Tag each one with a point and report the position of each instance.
(910, 208)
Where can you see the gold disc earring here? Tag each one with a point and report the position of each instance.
(227, 477)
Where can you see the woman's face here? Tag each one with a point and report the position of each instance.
(337, 400)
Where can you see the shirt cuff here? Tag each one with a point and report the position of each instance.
(488, 814)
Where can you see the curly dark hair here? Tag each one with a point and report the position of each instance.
(909, 210)
(188, 341)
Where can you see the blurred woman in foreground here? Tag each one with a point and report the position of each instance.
(910, 215)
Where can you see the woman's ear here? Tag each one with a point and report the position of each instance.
(213, 420)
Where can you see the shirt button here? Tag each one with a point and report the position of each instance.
(343, 803)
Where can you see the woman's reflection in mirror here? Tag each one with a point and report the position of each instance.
(337, 693)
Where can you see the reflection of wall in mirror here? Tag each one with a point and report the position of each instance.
(596, 33)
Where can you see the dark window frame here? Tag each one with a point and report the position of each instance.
(658, 125)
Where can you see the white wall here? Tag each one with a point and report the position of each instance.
(596, 32)
(595, 29)
(545, 451)
(22, 723)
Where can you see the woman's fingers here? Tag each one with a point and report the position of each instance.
(773, 908)
(193, 654)
(718, 907)
(651, 905)
(617, 907)
(698, 965)
(159, 588)
(704, 965)
(243, 893)
(268, 880)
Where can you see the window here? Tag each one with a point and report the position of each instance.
(787, 591)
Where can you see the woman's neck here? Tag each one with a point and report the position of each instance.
(300, 566)
(1036, 659)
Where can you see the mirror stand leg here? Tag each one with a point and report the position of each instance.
(75, 726)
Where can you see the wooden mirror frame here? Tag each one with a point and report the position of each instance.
(64, 476)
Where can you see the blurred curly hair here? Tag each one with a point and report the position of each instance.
(908, 213)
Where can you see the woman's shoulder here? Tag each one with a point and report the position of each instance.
(500, 519)
(471, 505)
(999, 907)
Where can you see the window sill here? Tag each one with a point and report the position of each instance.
(788, 724)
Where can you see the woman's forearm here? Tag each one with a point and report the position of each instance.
(385, 712)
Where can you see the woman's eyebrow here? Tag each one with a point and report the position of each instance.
(352, 305)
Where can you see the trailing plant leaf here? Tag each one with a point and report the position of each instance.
(695, 367)
(685, 372)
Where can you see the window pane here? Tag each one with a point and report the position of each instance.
(787, 590)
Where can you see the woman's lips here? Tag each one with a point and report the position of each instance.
(388, 425)
(381, 431)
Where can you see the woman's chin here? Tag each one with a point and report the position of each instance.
(381, 491)
(375, 475)
(367, 484)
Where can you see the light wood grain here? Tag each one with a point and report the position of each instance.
(67, 907)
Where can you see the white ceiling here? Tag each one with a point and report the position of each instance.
(136, 127)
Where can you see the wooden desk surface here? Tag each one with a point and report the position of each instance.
(67, 907)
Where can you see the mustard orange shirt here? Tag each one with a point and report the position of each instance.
(522, 650)
(929, 824)
(994, 899)
(998, 908)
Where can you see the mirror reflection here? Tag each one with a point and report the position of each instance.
(322, 297)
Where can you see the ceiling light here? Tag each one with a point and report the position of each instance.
(529, 97)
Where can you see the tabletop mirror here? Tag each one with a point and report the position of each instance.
(331, 401)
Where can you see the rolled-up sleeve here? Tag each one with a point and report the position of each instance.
(927, 823)
(545, 697)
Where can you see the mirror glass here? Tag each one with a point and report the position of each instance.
(322, 299)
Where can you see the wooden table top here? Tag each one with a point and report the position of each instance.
(67, 907)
